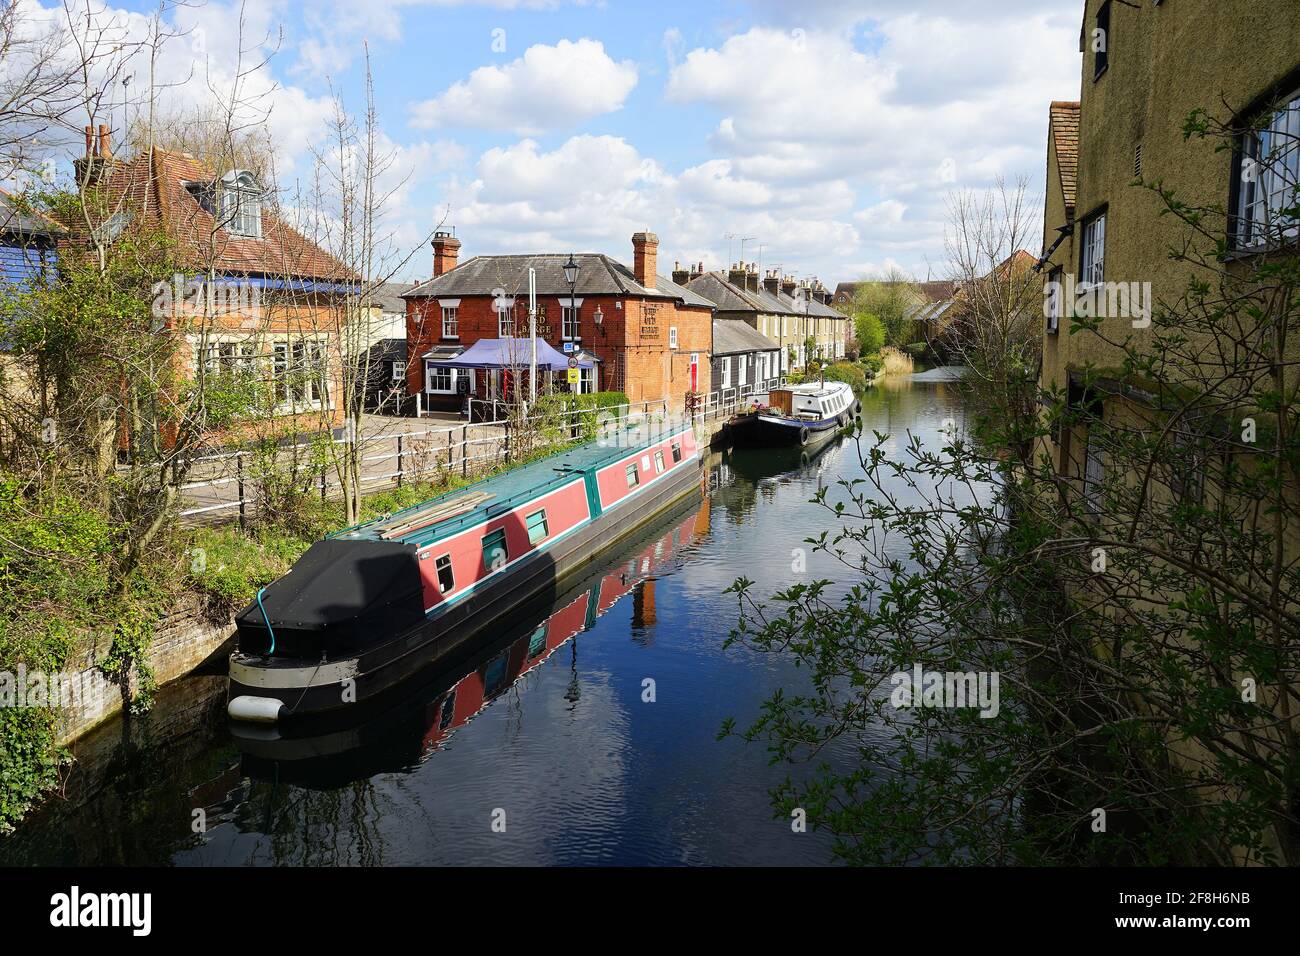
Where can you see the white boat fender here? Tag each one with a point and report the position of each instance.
(257, 710)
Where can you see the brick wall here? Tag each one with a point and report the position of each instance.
(183, 640)
(632, 341)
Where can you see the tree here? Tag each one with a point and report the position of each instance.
(891, 300)
(997, 333)
(870, 333)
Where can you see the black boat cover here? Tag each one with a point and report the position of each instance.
(339, 598)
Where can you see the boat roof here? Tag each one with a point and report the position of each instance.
(815, 388)
(500, 493)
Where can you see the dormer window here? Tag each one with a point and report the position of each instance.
(241, 204)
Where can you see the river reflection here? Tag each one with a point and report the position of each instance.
(586, 733)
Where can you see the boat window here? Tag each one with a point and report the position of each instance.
(494, 549)
(536, 523)
(494, 676)
(659, 463)
(537, 643)
(633, 479)
(677, 452)
(446, 580)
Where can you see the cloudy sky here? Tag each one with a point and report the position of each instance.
(831, 133)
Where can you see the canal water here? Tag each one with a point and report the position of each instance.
(585, 734)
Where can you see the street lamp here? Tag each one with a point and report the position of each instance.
(571, 269)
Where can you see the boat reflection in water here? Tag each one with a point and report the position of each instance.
(772, 464)
(403, 736)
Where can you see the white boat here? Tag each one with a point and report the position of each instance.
(798, 414)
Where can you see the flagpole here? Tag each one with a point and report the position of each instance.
(532, 333)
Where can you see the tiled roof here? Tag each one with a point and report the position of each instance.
(1065, 136)
(731, 336)
(151, 189)
(729, 297)
(598, 274)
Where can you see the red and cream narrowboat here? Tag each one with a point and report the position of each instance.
(371, 605)
(395, 738)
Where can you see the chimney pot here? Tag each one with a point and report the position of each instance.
(105, 146)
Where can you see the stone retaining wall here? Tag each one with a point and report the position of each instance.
(185, 637)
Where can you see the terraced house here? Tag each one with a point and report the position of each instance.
(785, 311)
(639, 333)
(1146, 67)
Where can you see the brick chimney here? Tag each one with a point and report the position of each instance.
(751, 277)
(99, 155)
(645, 258)
(771, 284)
(788, 285)
(446, 250)
(681, 276)
(736, 274)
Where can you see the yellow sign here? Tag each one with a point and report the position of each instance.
(574, 376)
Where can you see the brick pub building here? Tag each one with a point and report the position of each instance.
(649, 337)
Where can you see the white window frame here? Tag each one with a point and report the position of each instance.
(241, 205)
(570, 324)
(288, 356)
(726, 371)
(399, 370)
(1094, 473)
(433, 373)
(451, 322)
(1054, 299)
(505, 314)
(672, 336)
(1093, 264)
(1271, 185)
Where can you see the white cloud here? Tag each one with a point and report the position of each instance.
(926, 102)
(592, 192)
(549, 87)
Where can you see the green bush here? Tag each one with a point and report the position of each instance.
(915, 349)
(872, 365)
(847, 372)
(870, 333)
(557, 411)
